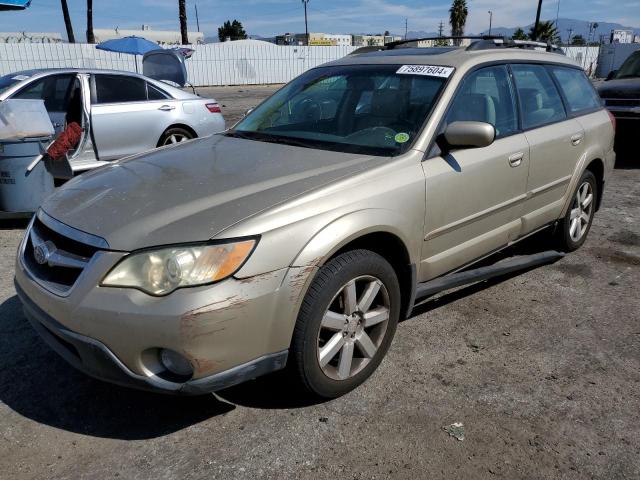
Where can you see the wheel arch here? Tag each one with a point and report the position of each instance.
(596, 166)
(177, 125)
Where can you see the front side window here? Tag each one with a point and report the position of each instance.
(630, 68)
(357, 108)
(486, 95)
(540, 102)
(120, 89)
(577, 89)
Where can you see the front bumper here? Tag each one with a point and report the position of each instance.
(231, 331)
(95, 359)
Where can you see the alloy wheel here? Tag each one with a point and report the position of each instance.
(353, 327)
(175, 138)
(581, 211)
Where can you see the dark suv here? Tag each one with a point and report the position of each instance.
(621, 95)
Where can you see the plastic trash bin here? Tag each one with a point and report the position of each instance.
(21, 191)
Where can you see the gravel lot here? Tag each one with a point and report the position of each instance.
(542, 368)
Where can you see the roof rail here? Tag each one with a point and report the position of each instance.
(511, 43)
(392, 45)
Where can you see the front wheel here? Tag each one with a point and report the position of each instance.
(346, 323)
(575, 226)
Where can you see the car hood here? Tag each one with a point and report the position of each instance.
(622, 88)
(193, 191)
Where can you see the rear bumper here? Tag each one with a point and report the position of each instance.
(95, 359)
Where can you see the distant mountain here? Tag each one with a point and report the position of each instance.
(578, 27)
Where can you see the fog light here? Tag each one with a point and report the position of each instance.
(175, 363)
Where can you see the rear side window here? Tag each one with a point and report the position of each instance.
(487, 96)
(52, 89)
(576, 88)
(155, 93)
(119, 89)
(540, 102)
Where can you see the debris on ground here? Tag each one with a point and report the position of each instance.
(455, 430)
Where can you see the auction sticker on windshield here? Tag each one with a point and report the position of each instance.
(429, 70)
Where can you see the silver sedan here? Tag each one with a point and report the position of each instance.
(121, 113)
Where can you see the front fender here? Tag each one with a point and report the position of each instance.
(349, 227)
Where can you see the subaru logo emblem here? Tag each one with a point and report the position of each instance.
(41, 253)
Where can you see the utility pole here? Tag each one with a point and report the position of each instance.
(570, 30)
(197, 19)
(490, 20)
(440, 28)
(557, 13)
(306, 25)
(406, 27)
(537, 24)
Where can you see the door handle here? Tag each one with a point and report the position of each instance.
(516, 159)
(576, 139)
(167, 108)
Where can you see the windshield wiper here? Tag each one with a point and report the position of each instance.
(267, 138)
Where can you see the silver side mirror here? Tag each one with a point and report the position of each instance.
(470, 134)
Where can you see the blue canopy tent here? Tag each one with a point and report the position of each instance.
(14, 4)
(131, 45)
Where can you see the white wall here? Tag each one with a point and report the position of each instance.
(586, 56)
(243, 62)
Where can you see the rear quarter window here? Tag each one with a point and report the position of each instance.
(578, 92)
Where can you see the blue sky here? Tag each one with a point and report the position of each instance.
(269, 17)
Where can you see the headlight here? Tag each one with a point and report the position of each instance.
(160, 272)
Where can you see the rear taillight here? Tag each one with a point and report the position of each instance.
(613, 120)
(213, 107)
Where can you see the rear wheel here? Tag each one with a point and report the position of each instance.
(575, 226)
(346, 323)
(175, 135)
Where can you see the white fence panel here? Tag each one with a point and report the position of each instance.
(243, 62)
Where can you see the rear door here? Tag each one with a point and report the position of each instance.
(555, 140)
(127, 115)
(475, 195)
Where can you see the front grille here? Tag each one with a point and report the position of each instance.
(62, 269)
(622, 102)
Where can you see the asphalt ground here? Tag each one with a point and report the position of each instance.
(542, 368)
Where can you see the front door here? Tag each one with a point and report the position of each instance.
(475, 195)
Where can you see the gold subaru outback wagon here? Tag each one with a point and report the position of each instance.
(300, 236)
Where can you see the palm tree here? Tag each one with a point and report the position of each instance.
(458, 18)
(182, 8)
(90, 36)
(519, 34)
(67, 21)
(547, 32)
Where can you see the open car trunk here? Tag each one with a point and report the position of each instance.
(166, 65)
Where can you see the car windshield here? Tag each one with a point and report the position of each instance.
(369, 109)
(8, 81)
(631, 67)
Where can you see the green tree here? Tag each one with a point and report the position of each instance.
(578, 40)
(458, 18)
(182, 14)
(90, 36)
(519, 35)
(67, 21)
(547, 32)
(232, 30)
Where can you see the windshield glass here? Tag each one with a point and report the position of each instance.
(630, 67)
(368, 109)
(7, 81)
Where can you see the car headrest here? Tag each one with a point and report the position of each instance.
(476, 107)
(531, 99)
(388, 103)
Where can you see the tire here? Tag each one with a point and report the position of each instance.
(175, 135)
(575, 225)
(325, 336)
